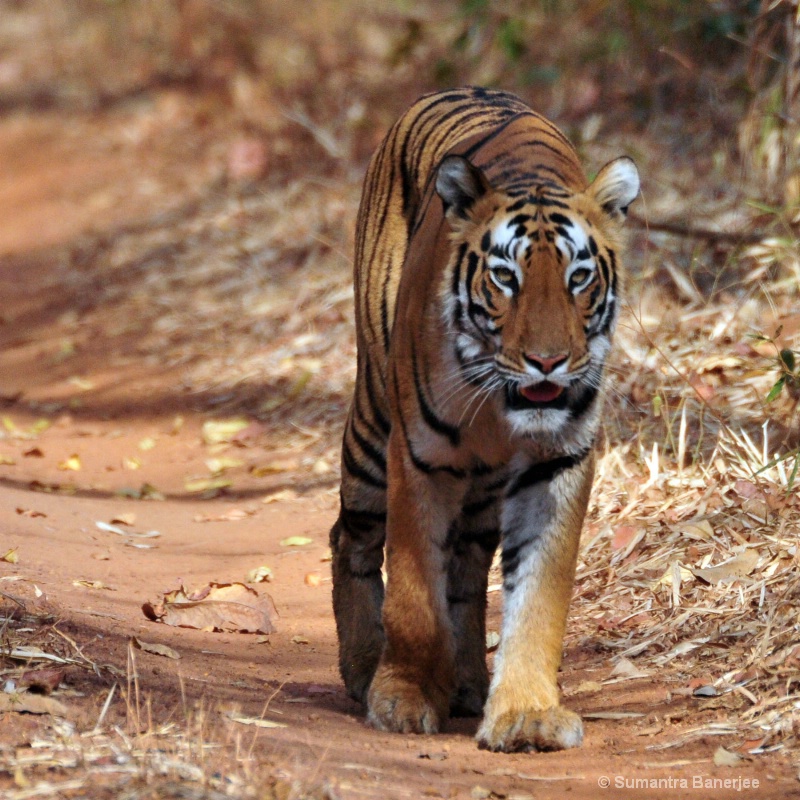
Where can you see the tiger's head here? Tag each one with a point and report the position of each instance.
(532, 288)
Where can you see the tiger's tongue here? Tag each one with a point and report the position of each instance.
(542, 392)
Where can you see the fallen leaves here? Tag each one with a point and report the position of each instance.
(231, 515)
(739, 566)
(11, 556)
(230, 607)
(224, 430)
(725, 758)
(260, 574)
(208, 486)
(29, 512)
(109, 528)
(257, 722)
(155, 649)
(71, 464)
(82, 583)
(31, 703)
(296, 541)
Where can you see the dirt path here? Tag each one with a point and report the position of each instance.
(116, 423)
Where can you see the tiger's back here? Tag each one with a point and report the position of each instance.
(486, 282)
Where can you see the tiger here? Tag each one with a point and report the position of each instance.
(487, 281)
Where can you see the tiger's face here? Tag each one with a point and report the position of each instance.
(532, 291)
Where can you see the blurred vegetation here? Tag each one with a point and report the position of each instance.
(726, 67)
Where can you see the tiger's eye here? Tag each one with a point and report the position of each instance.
(579, 277)
(504, 275)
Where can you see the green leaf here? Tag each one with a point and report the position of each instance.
(775, 390)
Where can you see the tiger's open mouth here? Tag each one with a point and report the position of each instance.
(539, 395)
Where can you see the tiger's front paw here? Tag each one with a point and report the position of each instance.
(398, 705)
(553, 728)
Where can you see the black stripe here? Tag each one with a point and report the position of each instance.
(422, 465)
(493, 134)
(510, 558)
(357, 471)
(455, 287)
(451, 432)
(375, 454)
(545, 471)
(372, 393)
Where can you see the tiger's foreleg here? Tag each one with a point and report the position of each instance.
(541, 525)
(473, 541)
(357, 541)
(411, 690)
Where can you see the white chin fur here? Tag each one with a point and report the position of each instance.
(527, 422)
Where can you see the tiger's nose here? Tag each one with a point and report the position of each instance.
(546, 364)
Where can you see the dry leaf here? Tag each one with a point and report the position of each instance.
(625, 668)
(29, 512)
(257, 722)
(623, 535)
(259, 575)
(312, 579)
(706, 691)
(296, 541)
(84, 384)
(7, 461)
(281, 496)
(123, 519)
(31, 653)
(737, 567)
(195, 485)
(73, 463)
(155, 648)
(611, 715)
(231, 607)
(31, 704)
(11, 556)
(104, 526)
(492, 641)
(92, 585)
(223, 430)
(587, 687)
(275, 467)
(321, 467)
(216, 466)
(725, 758)
(700, 530)
(299, 639)
(233, 515)
(148, 443)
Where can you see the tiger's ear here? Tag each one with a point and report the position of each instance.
(616, 186)
(459, 183)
